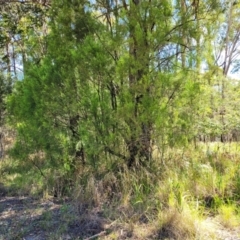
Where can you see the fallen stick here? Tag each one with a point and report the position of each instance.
(96, 235)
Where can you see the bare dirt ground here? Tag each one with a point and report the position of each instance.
(214, 230)
(26, 218)
(29, 219)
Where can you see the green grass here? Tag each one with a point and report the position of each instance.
(173, 200)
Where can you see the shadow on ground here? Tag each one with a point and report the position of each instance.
(33, 219)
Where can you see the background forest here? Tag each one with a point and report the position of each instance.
(131, 104)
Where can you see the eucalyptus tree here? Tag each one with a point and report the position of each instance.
(221, 58)
(23, 23)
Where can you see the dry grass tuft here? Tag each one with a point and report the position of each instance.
(176, 225)
(228, 216)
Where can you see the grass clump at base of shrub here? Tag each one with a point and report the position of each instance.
(170, 201)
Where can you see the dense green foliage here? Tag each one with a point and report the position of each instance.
(107, 84)
(127, 106)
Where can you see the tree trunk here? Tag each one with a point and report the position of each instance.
(139, 141)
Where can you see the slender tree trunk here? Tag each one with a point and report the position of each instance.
(14, 61)
(184, 38)
(139, 142)
(8, 59)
